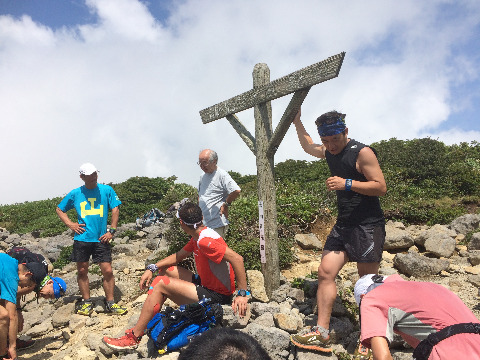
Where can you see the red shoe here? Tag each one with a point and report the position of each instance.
(128, 341)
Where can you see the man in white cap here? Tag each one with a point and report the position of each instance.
(92, 202)
(430, 318)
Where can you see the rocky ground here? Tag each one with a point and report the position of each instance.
(440, 254)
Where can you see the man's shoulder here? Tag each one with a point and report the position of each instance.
(9, 261)
(210, 234)
(104, 187)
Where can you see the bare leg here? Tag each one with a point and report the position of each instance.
(82, 279)
(108, 279)
(367, 268)
(332, 263)
(175, 284)
(4, 322)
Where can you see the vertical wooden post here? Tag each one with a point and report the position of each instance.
(266, 181)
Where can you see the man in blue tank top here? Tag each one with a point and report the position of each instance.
(359, 232)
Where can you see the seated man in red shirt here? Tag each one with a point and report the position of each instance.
(416, 311)
(218, 266)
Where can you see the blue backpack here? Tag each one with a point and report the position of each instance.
(171, 329)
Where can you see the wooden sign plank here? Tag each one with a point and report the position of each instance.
(303, 78)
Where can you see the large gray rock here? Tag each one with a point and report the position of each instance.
(274, 340)
(474, 243)
(441, 245)
(413, 264)
(435, 231)
(397, 237)
(256, 282)
(466, 223)
(308, 241)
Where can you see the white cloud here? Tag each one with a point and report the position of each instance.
(125, 92)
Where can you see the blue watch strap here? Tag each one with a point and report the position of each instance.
(348, 184)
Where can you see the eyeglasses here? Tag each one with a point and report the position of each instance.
(205, 162)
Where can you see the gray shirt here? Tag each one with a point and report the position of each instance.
(213, 189)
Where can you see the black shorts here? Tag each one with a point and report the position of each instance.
(203, 292)
(362, 243)
(100, 252)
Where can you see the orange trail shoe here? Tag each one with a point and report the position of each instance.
(128, 341)
(312, 340)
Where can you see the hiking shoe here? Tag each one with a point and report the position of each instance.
(114, 308)
(128, 341)
(312, 340)
(84, 308)
(24, 344)
(362, 352)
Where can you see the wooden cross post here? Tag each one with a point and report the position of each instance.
(266, 142)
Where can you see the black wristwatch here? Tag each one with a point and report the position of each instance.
(112, 231)
(242, 292)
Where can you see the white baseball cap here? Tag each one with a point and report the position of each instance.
(367, 283)
(87, 169)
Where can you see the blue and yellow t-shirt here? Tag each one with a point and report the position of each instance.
(92, 206)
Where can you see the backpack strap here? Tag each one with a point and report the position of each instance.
(423, 350)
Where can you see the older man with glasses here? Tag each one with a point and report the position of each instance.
(216, 192)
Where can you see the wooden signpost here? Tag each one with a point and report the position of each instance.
(266, 142)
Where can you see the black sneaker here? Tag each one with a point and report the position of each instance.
(115, 309)
(84, 308)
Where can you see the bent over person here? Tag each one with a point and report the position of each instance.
(218, 266)
(14, 275)
(49, 288)
(430, 318)
(359, 232)
(92, 202)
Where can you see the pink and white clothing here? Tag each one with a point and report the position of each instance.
(215, 273)
(414, 310)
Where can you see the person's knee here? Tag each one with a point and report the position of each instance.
(163, 282)
(107, 274)
(4, 316)
(170, 270)
(82, 270)
(325, 274)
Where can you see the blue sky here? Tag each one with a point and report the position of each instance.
(120, 83)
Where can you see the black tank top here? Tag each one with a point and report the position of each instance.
(353, 208)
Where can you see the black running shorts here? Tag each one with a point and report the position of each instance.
(100, 252)
(362, 243)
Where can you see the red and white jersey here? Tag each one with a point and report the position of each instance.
(216, 273)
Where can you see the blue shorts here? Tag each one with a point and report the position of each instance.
(362, 243)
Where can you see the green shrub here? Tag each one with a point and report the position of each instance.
(64, 258)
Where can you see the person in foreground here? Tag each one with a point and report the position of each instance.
(49, 288)
(229, 344)
(216, 192)
(421, 313)
(218, 267)
(359, 232)
(13, 276)
(92, 203)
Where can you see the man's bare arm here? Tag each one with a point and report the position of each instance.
(306, 141)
